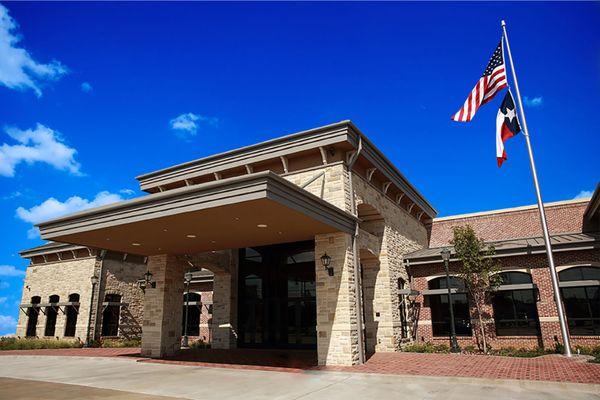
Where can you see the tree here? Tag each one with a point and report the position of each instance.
(478, 270)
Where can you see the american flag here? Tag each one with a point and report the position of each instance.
(491, 82)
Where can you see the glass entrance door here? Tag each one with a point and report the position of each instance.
(277, 296)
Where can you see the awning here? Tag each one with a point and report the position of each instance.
(250, 210)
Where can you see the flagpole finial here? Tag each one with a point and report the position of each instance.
(503, 23)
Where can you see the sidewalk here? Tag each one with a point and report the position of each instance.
(547, 368)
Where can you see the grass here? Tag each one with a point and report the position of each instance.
(11, 343)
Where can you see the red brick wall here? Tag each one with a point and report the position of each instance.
(562, 218)
(205, 290)
(537, 264)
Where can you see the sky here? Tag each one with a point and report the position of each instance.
(94, 94)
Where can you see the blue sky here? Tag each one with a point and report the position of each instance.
(97, 93)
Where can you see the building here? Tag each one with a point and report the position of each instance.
(61, 300)
(307, 237)
(522, 311)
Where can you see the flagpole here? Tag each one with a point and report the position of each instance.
(553, 274)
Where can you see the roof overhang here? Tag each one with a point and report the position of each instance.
(514, 247)
(249, 210)
(49, 248)
(343, 133)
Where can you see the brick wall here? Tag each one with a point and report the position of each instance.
(536, 265)
(563, 217)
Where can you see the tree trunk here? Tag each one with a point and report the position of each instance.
(481, 327)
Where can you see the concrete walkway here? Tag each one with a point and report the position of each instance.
(128, 375)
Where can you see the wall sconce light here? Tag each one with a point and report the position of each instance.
(326, 261)
(147, 281)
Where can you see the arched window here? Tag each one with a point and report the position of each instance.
(193, 318)
(51, 314)
(515, 310)
(111, 315)
(440, 312)
(72, 310)
(32, 316)
(580, 288)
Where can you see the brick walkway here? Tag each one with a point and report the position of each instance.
(546, 368)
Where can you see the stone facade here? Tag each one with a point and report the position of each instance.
(61, 278)
(68, 273)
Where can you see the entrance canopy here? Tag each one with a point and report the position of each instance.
(250, 210)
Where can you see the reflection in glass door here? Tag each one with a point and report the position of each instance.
(277, 296)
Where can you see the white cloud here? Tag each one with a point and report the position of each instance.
(86, 87)
(533, 101)
(584, 194)
(10, 270)
(52, 208)
(41, 144)
(7, 323)
(127, 192)
(18, 70)
(188, 124)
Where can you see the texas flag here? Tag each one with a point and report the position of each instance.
(507, 126)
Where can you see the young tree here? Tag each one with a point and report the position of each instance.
(478, 269)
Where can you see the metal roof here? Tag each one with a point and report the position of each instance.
(514, 247)
(49, 248)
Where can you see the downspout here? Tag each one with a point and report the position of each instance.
(357, 271)
(98, 301)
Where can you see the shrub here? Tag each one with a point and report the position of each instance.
(32, 344)
(426, 348)
(120, 343)
(522, 352)
(199, 344)
(589, 351)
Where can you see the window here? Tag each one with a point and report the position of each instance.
(32, 316)
(582, 302)
(111, 314)
(440, 312)
(193, 317)
(515, 311)
(51, 314)
(72, 311)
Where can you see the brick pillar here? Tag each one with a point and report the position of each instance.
(337, 328)
(161, 331)
(546, 307)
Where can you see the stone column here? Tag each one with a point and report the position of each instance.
(337, 328)
(161, 331)
(224, 323)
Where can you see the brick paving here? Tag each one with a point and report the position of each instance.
(547, 368)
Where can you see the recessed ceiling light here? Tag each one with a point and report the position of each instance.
(262, 225)
(135, 244)
(107, 238)
(280, 232)
(190, 236)
(212, 241)
(165, 230)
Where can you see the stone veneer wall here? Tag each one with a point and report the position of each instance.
(337, 324)
(120, 277)
(399, 233)
(60, 278)
(537, 266)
